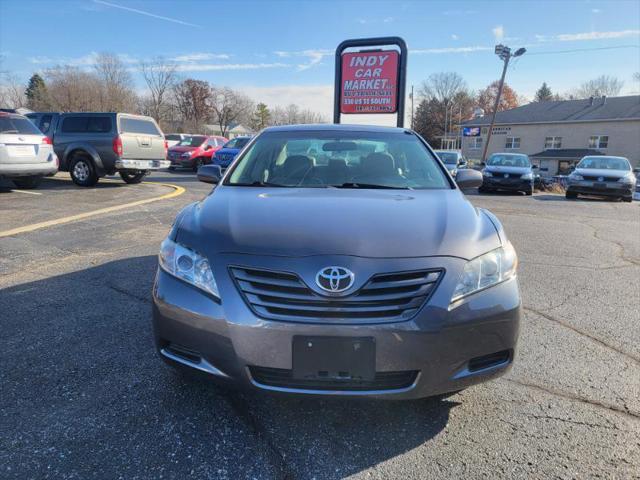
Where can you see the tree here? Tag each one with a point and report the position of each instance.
(36, 93)
(442, 86)
(11, 91)
(116, 93)
(193, 99)
(487, 97)
(603, 85)
(261, 117)
(160, 76)
(229, 107)
(543, 94)
(73, 90)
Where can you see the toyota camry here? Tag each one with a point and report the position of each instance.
(338, 260)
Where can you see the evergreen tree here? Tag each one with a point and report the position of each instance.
(36, 93)
(261, 117)
(544, 94)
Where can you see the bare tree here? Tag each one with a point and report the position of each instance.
(11, 91)
(229, 107)
(73, 90)
(442, 86)
(603, 85)
(160, 76)
(116, 93)
(193, 99)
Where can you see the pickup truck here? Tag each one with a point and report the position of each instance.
(92, 145)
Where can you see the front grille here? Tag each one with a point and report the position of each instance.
(283, 378)
(596, 178)
(384, 298)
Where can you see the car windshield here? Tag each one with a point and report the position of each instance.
(508, 160)
(194, 141)
(605, 163)
(450, 158)
(18, 125)
(236, 143)
(343, 159)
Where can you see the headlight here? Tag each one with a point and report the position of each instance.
(576, 177)
(187, 265)
(486, 270)
(527, 176)
(629, 179)
(487, 174)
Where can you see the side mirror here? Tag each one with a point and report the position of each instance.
(208, 147)
(210, 174)
(468, 178)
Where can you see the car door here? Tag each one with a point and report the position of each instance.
(141, 138)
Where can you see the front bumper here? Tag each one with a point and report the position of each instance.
(227, 340)
(501, 183)
(129, 164)
(608, 189)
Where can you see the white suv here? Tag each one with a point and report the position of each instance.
(25, 154)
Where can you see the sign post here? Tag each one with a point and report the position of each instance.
(370, 81)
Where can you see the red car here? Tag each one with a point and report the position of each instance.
(194, 150)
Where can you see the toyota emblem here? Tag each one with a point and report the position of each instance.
(335, 279)
(601, 179)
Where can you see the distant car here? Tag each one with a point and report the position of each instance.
(194, 151)
(603, 176)
(508, 171)
(26, 155)
(91, 145)
(173, 139)
(452, 159)
(228, 152)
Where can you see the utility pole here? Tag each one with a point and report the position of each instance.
(505, 55)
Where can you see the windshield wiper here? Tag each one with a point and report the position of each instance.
(257, 183)
(369, 185)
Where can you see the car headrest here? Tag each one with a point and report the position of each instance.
(337, 164)
(297, 162)
(378, 163)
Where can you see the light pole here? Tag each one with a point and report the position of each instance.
(505, 55)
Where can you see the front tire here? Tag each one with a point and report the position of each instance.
(570, 195)
(132, 178)
(628, 199)
(197, 163)
(83, 172)
(529, 192)
(27, 183)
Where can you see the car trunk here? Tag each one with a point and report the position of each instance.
(141, 139)
(23, 149)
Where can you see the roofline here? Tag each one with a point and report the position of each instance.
(552, 121)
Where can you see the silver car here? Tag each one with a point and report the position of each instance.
(26, 155)
(452, 159)
(371, 274)
(602, 176)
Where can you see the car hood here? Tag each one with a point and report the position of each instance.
(597, 172)
(182, 149)
(319, 221)
(499, 169)
(232, 151)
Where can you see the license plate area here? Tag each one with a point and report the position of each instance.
(334, 358)
(21, 150)
(599, 185)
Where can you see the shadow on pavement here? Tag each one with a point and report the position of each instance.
(561, 198)
(84, 388)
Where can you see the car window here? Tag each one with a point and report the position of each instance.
(99, 124)
(19, 125)
(192, 141)
(172, 137)
(448, 157)
(212, 142)
(45, 123)
(236, 143)
(347, 159)
(605, 163)
(138, 126)
(508, 160)
(75, 124)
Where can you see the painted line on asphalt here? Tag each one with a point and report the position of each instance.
(177, 190)
(25, 191)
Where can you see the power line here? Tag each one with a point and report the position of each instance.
(584, 50)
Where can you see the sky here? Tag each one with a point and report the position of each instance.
(282, 52)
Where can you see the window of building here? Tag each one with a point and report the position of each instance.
(475, 143)
(552, 142)
(599, 141)
(512, 143)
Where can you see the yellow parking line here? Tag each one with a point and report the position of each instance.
(177, 190)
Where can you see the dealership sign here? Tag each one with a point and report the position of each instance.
(369, 82)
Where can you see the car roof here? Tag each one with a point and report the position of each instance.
(332, 127)
(606, 156)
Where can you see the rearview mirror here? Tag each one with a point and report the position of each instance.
(468, 178)
(534, 166)
(210, 174)
(339, 146)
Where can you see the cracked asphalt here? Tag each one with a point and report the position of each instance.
(83, 394)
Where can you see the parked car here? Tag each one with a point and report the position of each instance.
(194, 151)
(92, 145)
(174, 138)
(603, 176)
(375, 277)
(26, 155)
(228, 152)
(508, 171)
(452, 159)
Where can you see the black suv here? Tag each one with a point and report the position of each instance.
(92, 145)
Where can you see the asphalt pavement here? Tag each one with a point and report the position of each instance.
(84, 395)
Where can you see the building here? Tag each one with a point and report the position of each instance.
(556, 135)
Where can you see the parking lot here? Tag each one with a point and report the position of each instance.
(84, 394)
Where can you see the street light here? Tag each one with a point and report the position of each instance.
(505, 55)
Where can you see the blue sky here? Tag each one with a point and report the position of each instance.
(282, 51)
